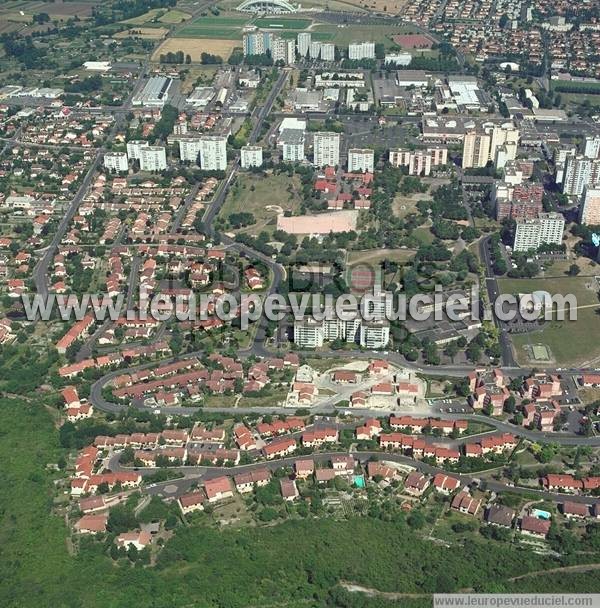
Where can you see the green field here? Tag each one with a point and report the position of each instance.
(228, 28)
(196, 31)
(253, 194)
(282, 24)
(570, 342)
(356, 31)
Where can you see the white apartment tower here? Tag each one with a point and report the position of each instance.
(548, 228)
(189, 149)
(314, 49)
(213, 153)
(153, 158)
(361, 160)
(134, 148)
(251, 156)
(580, 172)
(116, 161)
(303, 42)
(361, 50)
(328, 51)
(326, 149)
(591, 148)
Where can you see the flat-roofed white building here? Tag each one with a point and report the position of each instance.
(361, 50)
(327, 51)
(326, 149)
(213, 153)
(251, 156)
(361, 160)
(189, 149)
(116, 161)
(134, 148)
(153, 158)
(292, 141)
(548, 228)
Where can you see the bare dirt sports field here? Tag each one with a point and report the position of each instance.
(195, 47)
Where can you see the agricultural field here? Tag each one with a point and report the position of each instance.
(569, 342)
(195, 47)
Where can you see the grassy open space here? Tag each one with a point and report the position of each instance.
(146, 33)
(282, 23)
(344, 35)
(215, 27)
(264, 197)
(570, 342)
(374, 257)
(174, 17)
(404, 205)
(424, 235)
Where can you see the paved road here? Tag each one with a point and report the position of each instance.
(195, 475)
(40, 273)
(493, 291)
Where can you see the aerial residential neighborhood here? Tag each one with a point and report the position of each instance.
(299, 302)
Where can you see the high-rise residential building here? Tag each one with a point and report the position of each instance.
(303, 42)
(213, 153)
(589, 211)
(579, 173)
(312, 333)
(498, 145)
(116, 161)
(361, 160)
(251, 156)
(591, 147)
(326, 149)
(374, 334)
(153, 158)
(419, 162)
(520, 202)
(259, 43)
(361, 50)
(189, 149)
(134, 148)
(292, 141)
(476, 149)
(283, 50)
(327, 51)
(256, 43)
(314, 50)
(308, 333)
(548, 228)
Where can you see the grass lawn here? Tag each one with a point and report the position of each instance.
(145, 17)
(346, 34)
(404, 205)
(207, 31)
(282, 24)
(424, 235)
(253, 194)
(570, 342)
(376, 256)
(174, 17)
